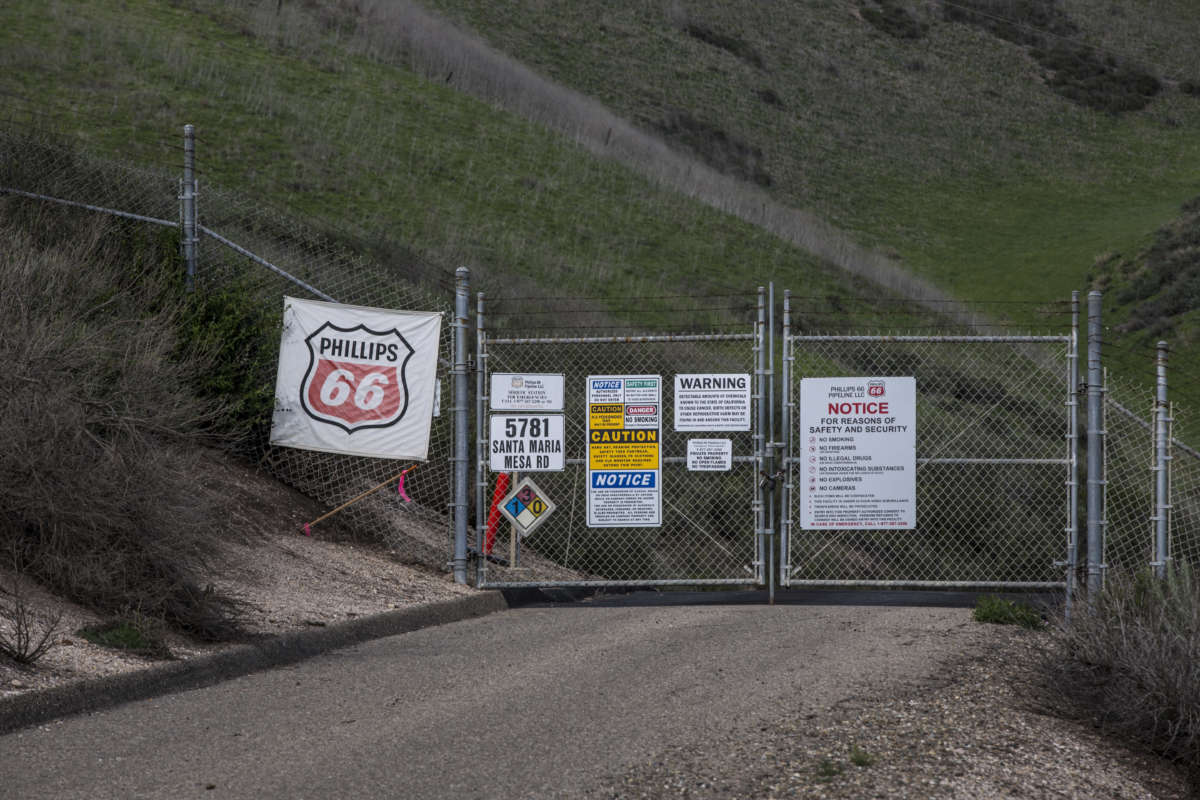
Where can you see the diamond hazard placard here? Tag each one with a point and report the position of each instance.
(527, 506)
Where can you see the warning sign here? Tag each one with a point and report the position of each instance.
(858, 459)
(527, 506)
(624, 451)
(712, 402)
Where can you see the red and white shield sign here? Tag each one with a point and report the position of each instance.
(875, 388)
(355, 377)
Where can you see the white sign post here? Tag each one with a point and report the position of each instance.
(356, 380)
(526, 443)
(624, 451)
(712, 402)
(857, 453)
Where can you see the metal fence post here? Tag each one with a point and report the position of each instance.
(481, 473)
(1095, 451)
(785, 428)
(1162, 498)
(462, 398)
(770, 446)
(760, 438)
(1073, 458)
(187, 207)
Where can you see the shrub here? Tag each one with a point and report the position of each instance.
(1133, 658)
(1001, 611)
(101, 423)
(24, 638)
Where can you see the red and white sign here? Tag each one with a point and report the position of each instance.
(356, 380)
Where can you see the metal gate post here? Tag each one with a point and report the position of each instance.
(785, 467)
(760, 438)
(462, 397)
(1095, 452)
(1073, 457)
(481, 472)
(187, 205)
(1162, 499)
(771, 443)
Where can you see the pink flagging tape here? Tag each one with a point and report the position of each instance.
(400, 488)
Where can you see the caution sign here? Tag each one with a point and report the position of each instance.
(624, 451)
(527, 507)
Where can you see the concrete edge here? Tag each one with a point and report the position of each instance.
(89, 695)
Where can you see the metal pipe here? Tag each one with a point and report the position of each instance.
(481, 471)
(237, 248)
(1095, 450)
(702, 337)
(187, 200)
(125, 214)
(462, 396)
(1072, 457)
(1162, 497)
(815, 337)
(785, 499)
(760, 439)
(770, 443)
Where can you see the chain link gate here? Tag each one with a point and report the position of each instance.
(712, 529)
(996, 465)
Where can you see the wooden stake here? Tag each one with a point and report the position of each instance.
(348, 503)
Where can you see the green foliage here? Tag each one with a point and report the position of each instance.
(236, 325)
(827, 769)
(860, 757)
(1003, 611)
(133, 632)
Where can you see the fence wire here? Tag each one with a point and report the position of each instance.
(707, 531)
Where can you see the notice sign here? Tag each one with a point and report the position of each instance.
(512, 391)
(712, 402)
(526, 443)
(858, 455)
(710, 455)
(624, 451)
(356, 380)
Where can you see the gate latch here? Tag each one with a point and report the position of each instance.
(767, 484)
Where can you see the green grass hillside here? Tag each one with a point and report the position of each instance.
(947, 140)
(997, 148)
(321, 132)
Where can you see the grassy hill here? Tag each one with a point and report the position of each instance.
(968, 140)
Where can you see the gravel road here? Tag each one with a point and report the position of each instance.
(585, 699)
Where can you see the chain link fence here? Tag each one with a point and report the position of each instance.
(708, 533)
(251, 250)
(993, 462)
(990, 439)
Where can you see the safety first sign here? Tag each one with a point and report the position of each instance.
(624, 451)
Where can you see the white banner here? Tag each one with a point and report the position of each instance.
(356, 380)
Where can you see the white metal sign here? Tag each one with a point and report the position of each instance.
(624, 451)
(712, 402)
(710, 455)
(527, 506)
(513, 391)
(858, 453)
(356, 380)
(526, 443)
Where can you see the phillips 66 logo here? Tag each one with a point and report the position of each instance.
(355, 377)
(875, 388)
